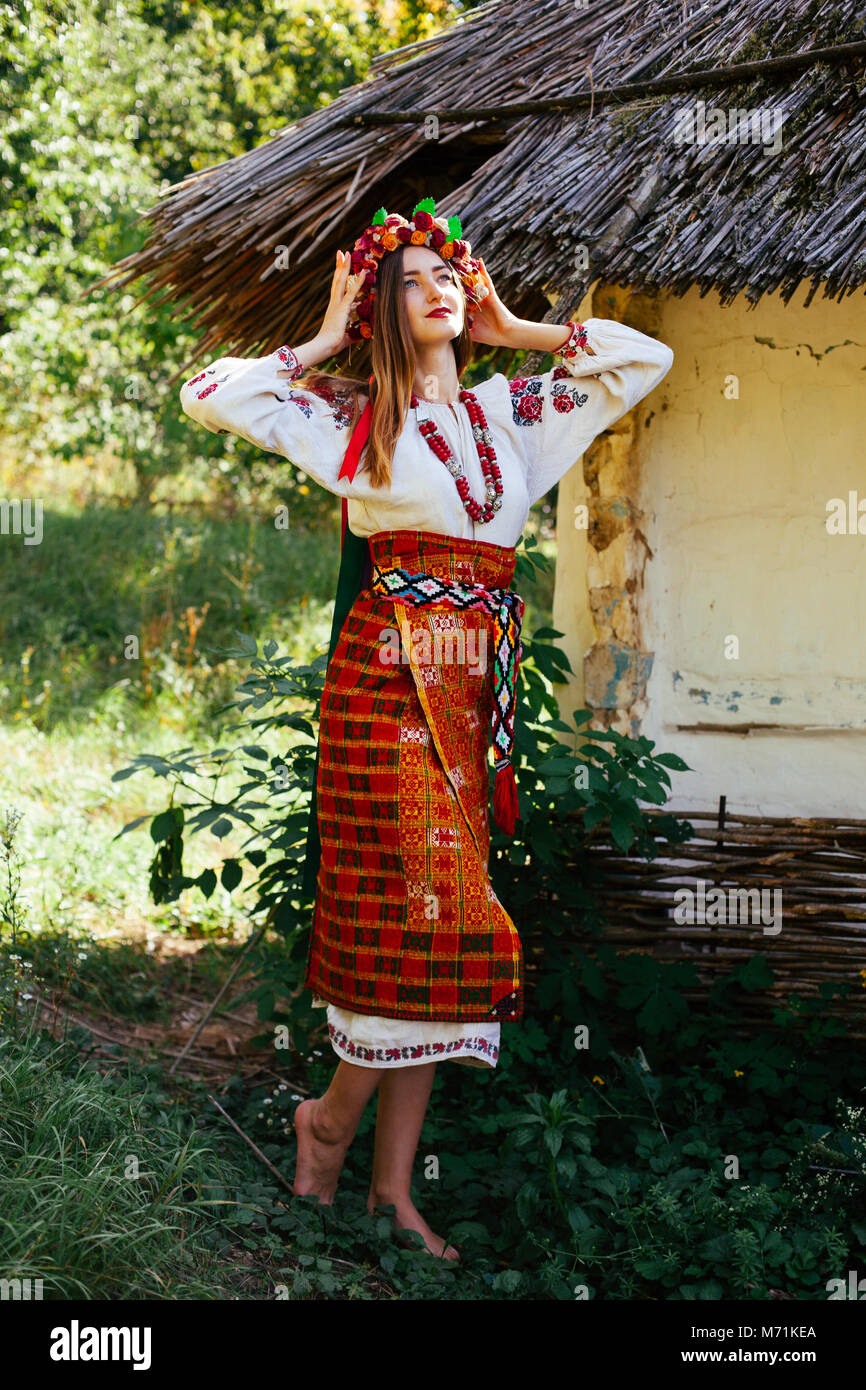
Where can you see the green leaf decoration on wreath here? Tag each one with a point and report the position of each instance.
(379, 218)
(425, 205)
(454, 227)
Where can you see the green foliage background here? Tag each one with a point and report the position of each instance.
(103, 107)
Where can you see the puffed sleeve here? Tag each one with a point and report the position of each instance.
(560, 412)
(254, 397)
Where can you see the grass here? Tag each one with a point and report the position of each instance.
(121, 599)
(124, 977)
(108, 1192)
(118, 614)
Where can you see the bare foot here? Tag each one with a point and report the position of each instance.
(320, 1154)
(408, 1217)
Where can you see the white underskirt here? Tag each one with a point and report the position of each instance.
(369, 1040)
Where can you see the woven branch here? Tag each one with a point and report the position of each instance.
(820, 866)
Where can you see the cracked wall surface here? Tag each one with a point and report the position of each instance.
(707, 605)
(600, 607)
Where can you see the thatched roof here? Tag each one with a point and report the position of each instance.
(534, 185)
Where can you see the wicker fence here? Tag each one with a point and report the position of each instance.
(818, 867)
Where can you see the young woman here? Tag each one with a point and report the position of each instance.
(411, 953)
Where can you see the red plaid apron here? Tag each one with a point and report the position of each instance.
(406, 924)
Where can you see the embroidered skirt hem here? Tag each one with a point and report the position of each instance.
(368, 1040)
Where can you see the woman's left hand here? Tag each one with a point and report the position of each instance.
(491, 322)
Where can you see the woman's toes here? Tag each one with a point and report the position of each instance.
(408, 1218)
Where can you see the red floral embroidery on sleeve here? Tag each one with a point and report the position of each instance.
(289, 357)
(527, 396)
(529, 408)
(206, 390)
(575, 343)
(341, 403)
(526, 404)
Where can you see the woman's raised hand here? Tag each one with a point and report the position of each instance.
(491, 321)
(344, 289)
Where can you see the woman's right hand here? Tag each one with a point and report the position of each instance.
(344, 289)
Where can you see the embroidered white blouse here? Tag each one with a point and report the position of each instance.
(540, 425)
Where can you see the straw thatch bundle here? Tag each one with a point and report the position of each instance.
(555, 131)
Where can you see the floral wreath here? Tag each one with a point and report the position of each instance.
(387, 232)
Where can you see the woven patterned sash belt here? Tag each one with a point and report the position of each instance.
(507, 607)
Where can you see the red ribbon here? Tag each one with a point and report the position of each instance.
(349, 466)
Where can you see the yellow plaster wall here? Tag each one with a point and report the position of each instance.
(755, 615)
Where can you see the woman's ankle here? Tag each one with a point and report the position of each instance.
(327, 1127)
(386, 1195)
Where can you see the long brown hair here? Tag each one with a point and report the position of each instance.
(393, 365)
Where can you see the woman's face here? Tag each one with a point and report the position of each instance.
(434, 303)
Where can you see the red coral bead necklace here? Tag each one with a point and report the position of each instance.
(486, 454)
